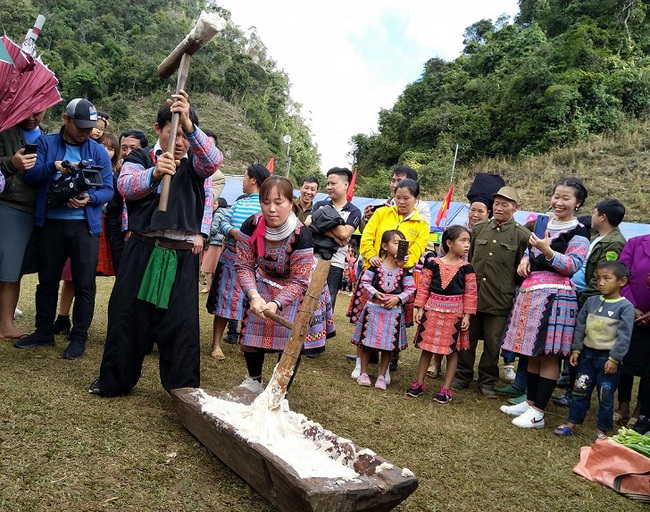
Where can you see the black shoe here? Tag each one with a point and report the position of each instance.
(563, 400)
(75, 350)
(94, 388)
(642, 425)
(61, 325)
(563, 381)
(392, 366)
(232, 338)
(34, 340)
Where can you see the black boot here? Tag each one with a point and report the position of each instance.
(61, 325)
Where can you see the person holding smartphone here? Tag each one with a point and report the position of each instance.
(17, 203)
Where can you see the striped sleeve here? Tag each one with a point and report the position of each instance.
(572, 260)
(207, 157)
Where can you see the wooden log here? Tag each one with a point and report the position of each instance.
(380, 486)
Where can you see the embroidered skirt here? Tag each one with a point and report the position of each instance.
(380, 328)
(541, 322)
(359, 299)
(226, 298)
(439, 330)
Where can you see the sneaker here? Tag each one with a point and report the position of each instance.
(381, 383)
(231, 338)
(563, 400)
(443, 396)
(252, 385)
(532, 418)
(17, 313)
(458, 384)
(516, 400)
(509, 373)
(642, 425)
(392, 366)
(95, 389)
(563, 381)
(75, 350)
(61, 325)
(509, 390)
(515, 410)
(487, 392)
(387, 377)
(34, 340)
(356, 372)
(364, 380)
(415, 390)
(600, 436)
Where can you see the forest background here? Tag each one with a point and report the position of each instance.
(563, 89)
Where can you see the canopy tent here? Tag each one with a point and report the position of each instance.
(456, 214)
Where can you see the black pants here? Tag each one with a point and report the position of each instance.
(334, 278)
(60, 240)
(134, 325)
(116, 239)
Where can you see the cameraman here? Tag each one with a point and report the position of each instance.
(70, 230)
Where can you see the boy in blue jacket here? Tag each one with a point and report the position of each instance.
(68, 230)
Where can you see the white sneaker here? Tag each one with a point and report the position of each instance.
(387, 377)
(356, 372)
(532, 418)
(17, 313)
(509, 373)
(252, 385)
(515, 410)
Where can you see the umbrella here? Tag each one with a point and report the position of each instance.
(27, 86)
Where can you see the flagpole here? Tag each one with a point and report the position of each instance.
(453, 166)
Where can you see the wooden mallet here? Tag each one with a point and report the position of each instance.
(205, 29)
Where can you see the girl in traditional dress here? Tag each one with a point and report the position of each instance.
(543, 318)
(445, 299)
(225, 300)
(274, 263)
(381, 323)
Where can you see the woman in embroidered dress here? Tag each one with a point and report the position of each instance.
(543, 318)
(226, 299)
(446, 297)
(403, 216)
(274, 263)
(381, 323)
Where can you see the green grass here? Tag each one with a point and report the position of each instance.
(63, 449)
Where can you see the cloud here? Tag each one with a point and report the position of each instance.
(348, 59)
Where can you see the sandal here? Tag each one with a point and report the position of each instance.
(619, 419)
(563, 431)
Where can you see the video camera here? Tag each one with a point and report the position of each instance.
(81, 177)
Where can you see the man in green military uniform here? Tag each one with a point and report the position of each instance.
(497, 247)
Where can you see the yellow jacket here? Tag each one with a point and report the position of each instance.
(415, 229)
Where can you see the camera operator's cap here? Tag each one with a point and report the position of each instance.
(509, 193)
(82, 112)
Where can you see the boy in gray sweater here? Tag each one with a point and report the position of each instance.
(600, 341)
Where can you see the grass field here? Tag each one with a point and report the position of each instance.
(63, 449)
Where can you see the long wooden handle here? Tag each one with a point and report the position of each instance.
(294, 344)
(278, 319)
(183, 71)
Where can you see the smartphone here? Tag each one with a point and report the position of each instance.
(402, 249)
(30, 149)
(540, 226)
(376, 206)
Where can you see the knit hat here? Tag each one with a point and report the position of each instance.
(483, 188)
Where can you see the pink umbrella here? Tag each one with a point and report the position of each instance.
(27, 86)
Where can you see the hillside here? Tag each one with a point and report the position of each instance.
(108, 52)
(612, 166)
(240, 143)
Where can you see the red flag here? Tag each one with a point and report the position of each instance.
(442, 213)
(353, 182)
(271, 165)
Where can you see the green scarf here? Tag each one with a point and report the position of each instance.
(158, 279)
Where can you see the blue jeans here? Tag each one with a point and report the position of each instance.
(591, 372)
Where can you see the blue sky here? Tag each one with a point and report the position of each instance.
(347, 59)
